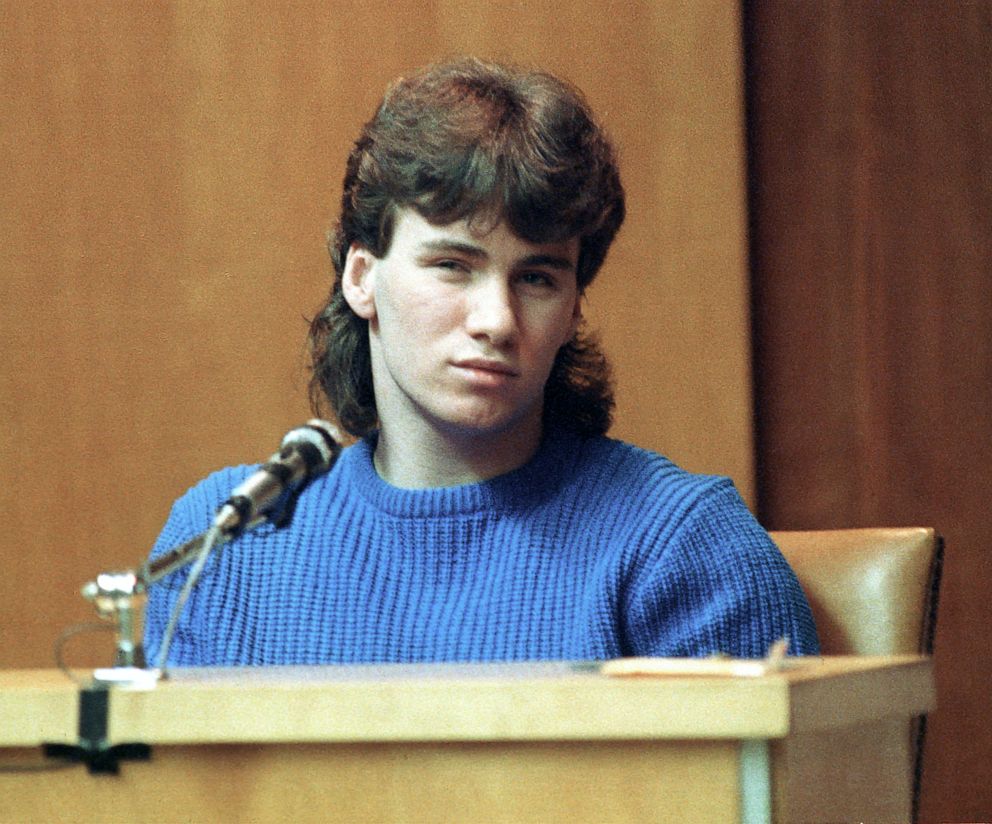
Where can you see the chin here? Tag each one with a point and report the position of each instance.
(485, 422)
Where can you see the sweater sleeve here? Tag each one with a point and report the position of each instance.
(717, 584)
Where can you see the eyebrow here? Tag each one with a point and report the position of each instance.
(477, 252)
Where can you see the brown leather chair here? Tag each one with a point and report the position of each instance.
(872, 592)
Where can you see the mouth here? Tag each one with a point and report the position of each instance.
(485, 365)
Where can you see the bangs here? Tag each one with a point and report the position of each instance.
(495, 180)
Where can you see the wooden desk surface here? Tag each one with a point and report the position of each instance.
(470, 702)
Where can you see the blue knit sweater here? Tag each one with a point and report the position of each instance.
(595, 549)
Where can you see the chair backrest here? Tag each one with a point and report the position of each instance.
(872, 591)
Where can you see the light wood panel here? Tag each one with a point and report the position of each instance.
(457, 783)
(171, 171)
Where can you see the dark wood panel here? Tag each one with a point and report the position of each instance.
(870, 130)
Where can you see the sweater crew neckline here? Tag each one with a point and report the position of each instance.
(521, 487)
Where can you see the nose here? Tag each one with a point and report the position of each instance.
(492, 312)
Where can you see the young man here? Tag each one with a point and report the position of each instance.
(483, 514)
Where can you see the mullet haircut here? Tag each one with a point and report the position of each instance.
(484, 142)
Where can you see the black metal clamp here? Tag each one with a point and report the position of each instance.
(94, 749)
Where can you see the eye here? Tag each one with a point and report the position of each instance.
(451, 266)
(538, 280)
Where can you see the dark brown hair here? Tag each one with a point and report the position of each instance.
(480, 141)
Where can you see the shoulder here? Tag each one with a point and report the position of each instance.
(212, 490)
(193, 511)
(639, 463)
(661, 511)
(639, 481)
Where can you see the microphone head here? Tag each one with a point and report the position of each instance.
(323, 436)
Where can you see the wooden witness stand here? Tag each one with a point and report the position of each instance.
(826, 739)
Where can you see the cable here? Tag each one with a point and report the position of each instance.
(72, 632)
(210, 540)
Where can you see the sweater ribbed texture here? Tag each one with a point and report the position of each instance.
(595, 549)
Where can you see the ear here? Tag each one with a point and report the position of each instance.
(358, 281)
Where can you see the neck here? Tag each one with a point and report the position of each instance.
(431, 458)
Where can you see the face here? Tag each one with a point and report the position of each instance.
(464, 326)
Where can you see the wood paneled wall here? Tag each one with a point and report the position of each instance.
(170, 171)
(871, 129)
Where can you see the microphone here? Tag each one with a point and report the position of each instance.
(305, 453)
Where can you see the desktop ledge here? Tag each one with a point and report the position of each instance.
(538, 701)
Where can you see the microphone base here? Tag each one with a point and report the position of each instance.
(132, 678)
